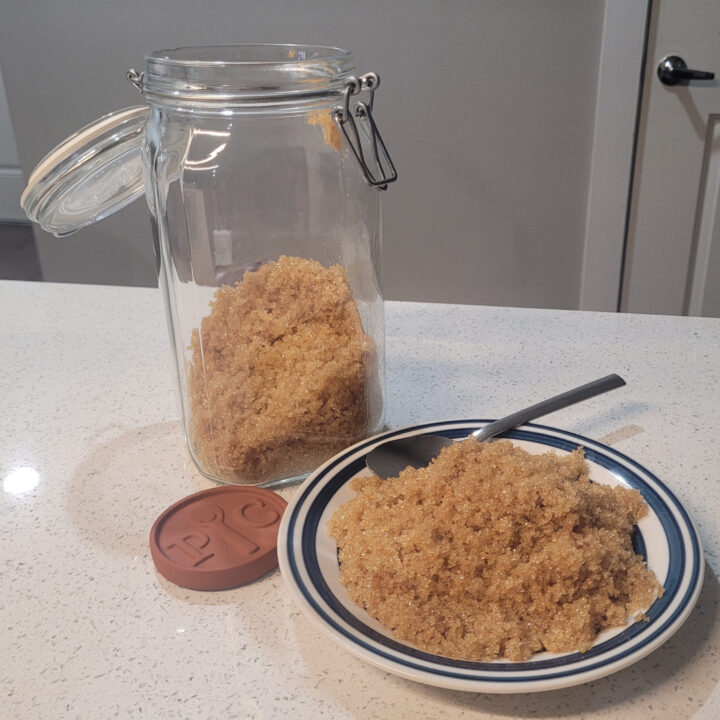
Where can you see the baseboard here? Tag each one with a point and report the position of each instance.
(11, 187)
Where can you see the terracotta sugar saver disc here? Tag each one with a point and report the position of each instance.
(218, 539)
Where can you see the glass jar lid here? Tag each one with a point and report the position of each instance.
(89, 176)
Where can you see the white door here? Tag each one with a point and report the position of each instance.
(672, 261)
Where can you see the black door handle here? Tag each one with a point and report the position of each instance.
(673, 70)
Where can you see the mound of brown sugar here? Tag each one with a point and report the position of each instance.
(494, 552)
(280, 373)
(331, 134)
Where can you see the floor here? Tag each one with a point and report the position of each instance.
(18, 253)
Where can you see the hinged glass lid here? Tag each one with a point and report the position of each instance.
(89, 176)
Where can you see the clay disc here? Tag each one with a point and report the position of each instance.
(219, 538)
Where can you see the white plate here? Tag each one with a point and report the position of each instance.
(666, 537)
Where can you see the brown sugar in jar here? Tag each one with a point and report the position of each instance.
(282, 374)
(493, 552)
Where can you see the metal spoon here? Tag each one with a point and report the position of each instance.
(390, 458)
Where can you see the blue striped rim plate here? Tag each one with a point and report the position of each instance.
(666, 537)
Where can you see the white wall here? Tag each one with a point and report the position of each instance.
(486, 106)
(11, 180)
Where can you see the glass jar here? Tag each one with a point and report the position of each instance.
(261, 166)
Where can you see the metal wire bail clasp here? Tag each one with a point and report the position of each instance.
(135, 78)
(350, 121)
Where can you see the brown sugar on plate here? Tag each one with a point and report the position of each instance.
(493, 552)
(281, 373)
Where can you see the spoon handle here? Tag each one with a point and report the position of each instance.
(597, 387)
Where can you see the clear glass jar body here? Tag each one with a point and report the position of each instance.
(269, 243)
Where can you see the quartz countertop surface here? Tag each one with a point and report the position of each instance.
(92, 450)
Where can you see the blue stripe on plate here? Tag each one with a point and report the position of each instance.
(442, 666)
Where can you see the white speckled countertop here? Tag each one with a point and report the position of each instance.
(91, 451)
